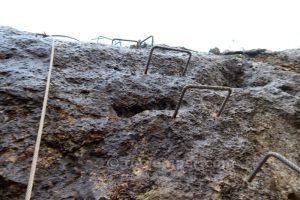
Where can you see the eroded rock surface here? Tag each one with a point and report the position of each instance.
(109, 131)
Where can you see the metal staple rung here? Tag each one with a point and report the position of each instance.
(101, 37)
(125, 40)
(152, 40)
(275, 155)
(203, 87)
(169, 49)
(41, 34)
(138, 42)
(65, 36)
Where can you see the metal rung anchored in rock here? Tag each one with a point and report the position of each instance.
(100, 37)
(169, 49)
(277, 156)
(139, 43)
(64, 36)
(118, 41)
(203, 87)
(150, 37)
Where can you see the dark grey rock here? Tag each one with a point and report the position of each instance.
(109, 132)
(215, 51)
(251, 53)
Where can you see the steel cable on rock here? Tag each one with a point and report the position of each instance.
(41, 126)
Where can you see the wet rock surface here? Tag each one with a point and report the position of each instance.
(109, 131)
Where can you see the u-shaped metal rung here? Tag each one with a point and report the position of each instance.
(169, 49)
(101, 37)
(203, 87)
(65, 36)
(152, 40)
(41, 34)
(125, 40)
(275, 155)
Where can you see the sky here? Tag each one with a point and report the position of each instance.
(194, 24)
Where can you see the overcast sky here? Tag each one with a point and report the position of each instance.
(194, 24)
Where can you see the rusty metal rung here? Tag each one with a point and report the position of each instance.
(65, 36)
(41, 34)
(152, 40)
(125, 40)
(203, 87)
(138, 42)
(277, 156)
(168, 49)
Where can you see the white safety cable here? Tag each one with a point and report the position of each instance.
(40, 131)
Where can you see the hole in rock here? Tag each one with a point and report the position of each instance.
(288, 89)
(4, 55)
(8, 56)
(128, 110)
(10, 189)
(293, 196)
(234, 76)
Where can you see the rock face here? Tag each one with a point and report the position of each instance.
(109, 131)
